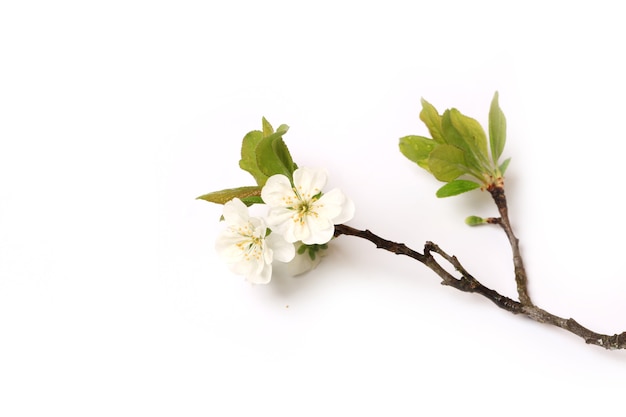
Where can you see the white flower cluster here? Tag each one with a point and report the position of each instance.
(299, 214)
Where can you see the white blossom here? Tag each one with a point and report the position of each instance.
(245, 246)
(302, 212)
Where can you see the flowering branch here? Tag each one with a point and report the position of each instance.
(467, 283)
(302, 218)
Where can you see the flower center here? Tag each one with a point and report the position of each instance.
(254, 249)
(251, 246)
(306, 206)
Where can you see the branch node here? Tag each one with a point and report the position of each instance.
(429, 247)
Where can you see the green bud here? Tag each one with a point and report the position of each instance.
(475, 221)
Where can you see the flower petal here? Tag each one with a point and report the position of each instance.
(248, 267)
(315, 230)
(227, 246)
(309, 181)
(277, 192)
(263, 277)
(235, 212)
(329, 204)
(347, 211)
(281, 220)
(283, 251)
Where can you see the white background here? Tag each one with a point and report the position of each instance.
(114, 116)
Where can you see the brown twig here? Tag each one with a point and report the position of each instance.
(467, 283)
(497, 193)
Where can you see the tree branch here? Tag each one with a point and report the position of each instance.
(467, 283)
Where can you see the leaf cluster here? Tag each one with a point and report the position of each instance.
(458, 147)
(312, 250)
(263, 154)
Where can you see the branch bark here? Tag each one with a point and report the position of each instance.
(467, 283)
(521, 279)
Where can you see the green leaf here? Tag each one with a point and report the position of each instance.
(417, 149)
(456, 187)
(267, 128)
(497, 129)
(248, 160)
(272, 155)
(447, 162)
(282, 129)
(249, 195)
(502, 168)
(263, 153)
(252, 199)
(431, 118)
(467, 134)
